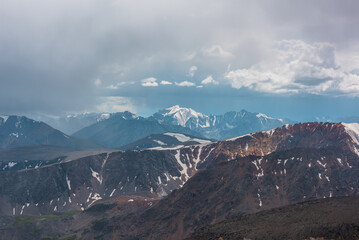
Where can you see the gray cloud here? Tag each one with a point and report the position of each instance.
(53, 52)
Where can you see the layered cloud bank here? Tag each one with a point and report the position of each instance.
(70, 56)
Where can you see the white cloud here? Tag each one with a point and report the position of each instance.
(216, 51)
(294, 66)
(185, 84)
(149, 82)
(165, 83)
(114, 104)
(209, 80)
(192, 71)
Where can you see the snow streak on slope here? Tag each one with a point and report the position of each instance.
(353, 130)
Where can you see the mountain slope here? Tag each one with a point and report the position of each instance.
(223, 126)
(248, 185)
(335, 218)
(155, 173)
(74, 122)
(164, 140)
(21, 131)
(77, 184)
(124, 128)
(214, 181)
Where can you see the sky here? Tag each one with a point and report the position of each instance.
(285, 58)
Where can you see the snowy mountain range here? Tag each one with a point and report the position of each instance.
(219, 127)
(124, 128)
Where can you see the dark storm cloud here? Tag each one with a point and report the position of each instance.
(59, 56)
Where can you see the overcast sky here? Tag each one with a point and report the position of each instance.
(295, 59)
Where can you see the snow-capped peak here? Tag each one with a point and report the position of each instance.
(353, 130)
(182, 115)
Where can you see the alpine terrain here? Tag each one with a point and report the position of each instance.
(181, 189)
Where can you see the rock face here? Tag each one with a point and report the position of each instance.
(18, 131)
(219, 127)
(335, 218)
(73, 185)
(123, 128)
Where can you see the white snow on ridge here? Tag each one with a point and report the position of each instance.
(167, 148)
(11, 164)
(263, 116)
(353, 130)
(183, 138)
(235, 138)
(4, 118)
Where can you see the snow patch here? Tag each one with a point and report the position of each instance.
(14, 135)
(183, 138)
(113, 191)
(68, 183)
(22, 209)
(259, 199)
(95, 198)
(96, 175)
(11, 164)
(5, 118)
(184, 166)
(353, 130)
(321, 164)
(159, 142)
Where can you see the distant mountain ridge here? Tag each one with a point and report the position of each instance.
(219, 127)
(72, 123)
(18, 131)
(211, 126)
(124, 127)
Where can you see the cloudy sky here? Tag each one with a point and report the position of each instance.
(295, 59)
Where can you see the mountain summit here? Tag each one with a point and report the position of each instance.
(18, 131)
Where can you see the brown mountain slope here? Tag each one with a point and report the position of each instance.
(248, 185)
(335, 218)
